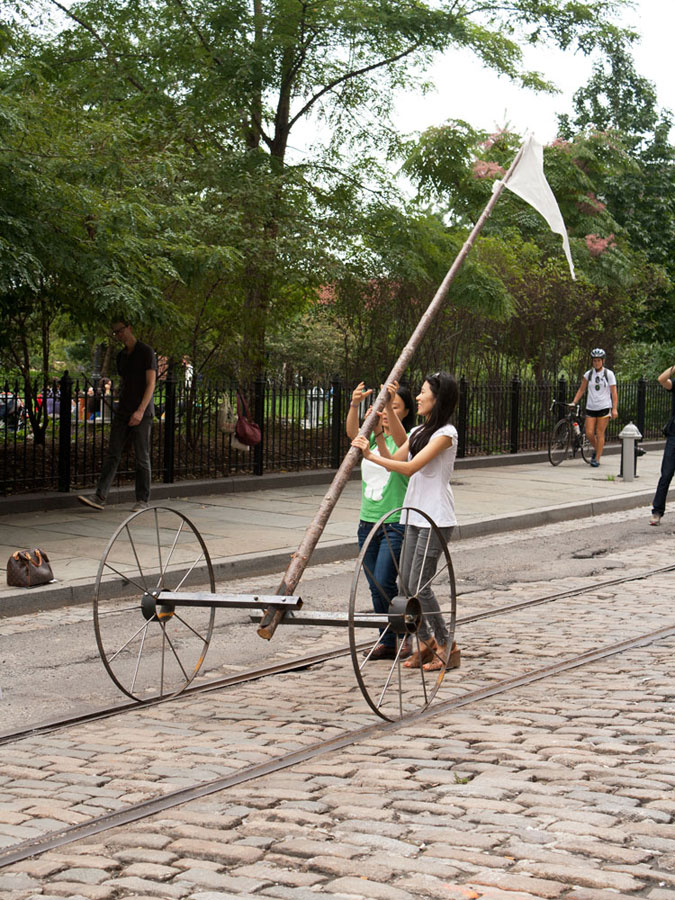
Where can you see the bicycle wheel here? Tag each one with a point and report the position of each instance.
(586, 448)
(559, 442)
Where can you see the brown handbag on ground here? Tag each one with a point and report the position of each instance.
(28, 568)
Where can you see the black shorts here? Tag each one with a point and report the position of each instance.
(598, 413)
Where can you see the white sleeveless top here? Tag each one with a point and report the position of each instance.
(429, 488)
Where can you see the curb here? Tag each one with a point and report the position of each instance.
(48, 597)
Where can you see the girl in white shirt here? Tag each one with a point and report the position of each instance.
(601, 402)
(427, 458)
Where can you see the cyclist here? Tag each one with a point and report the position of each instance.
(601, 402)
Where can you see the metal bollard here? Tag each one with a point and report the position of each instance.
(629, 436)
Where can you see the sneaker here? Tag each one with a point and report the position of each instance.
(595, 463)
(139, 505)
(655, 519)
(92, 500)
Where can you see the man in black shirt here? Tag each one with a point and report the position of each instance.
(132, 420)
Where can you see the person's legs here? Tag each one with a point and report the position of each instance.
(379, 565)
(667, 471)
(419, 561)
(590, 431)
(600, 429)
(119, 432)
(141, 437)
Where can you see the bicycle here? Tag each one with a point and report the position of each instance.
(568, 434)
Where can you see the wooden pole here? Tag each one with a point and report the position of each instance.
(301, 557)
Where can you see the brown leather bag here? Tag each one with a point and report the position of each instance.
(28, 568)
(246, 431)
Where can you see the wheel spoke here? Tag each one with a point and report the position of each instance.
(173, 650)
(436, 575)
(387, 682)
(426, 550)
(160, 580)
(187, 625)
(138, 661)
(394, 558)
(370, 652)
(161, 670)
(187, 574)
(126, 577)
(376, 583)
(116, 612)
(173, 547)
(424, 680)
(138, 562)
(126, 644)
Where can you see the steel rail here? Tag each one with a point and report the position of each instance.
(142, 810)
(298, 662)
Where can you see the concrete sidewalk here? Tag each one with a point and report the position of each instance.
(255, 532)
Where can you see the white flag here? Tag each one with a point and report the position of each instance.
(529, 182)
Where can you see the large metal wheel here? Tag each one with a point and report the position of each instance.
(391, 689)
(149, 648)
(559, 442)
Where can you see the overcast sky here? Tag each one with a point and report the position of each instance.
(464, 90)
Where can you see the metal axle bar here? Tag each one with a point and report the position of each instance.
(228, 601)
(336, 619)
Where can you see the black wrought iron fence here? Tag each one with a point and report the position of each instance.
(302, 427)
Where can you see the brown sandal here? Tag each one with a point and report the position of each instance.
(419, 657)
(440, 655)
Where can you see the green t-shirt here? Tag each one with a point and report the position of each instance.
(381, 490)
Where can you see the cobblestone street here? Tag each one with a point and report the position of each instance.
(562, 788)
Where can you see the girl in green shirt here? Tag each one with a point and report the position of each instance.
(381, 491)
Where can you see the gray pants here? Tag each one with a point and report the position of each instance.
(120, 433)
(419, 560)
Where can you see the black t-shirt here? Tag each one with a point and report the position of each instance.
(132, 367)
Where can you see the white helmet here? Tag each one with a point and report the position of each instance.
(598, 353)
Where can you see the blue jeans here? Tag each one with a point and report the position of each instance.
(379, 564)
(667, 471)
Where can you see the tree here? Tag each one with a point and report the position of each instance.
(456, 166)
(88, 222)
(234, 80)
(624, 105)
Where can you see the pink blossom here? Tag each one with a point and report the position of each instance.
(326, 295)
(598, 245)
(482, 169)
(561, 143)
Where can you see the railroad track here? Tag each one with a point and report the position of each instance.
(300, 662)
(147, 808)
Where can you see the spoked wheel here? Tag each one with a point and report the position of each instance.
(149, 648)
(586, 449)
(559, 442)
(390, 688)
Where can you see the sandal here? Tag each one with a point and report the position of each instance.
(439, 660)
(417, 659)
